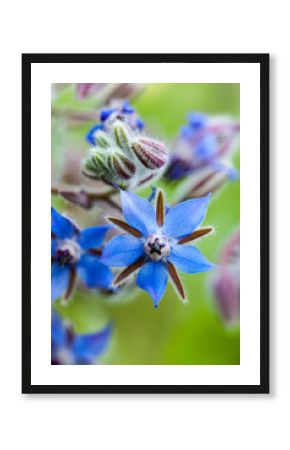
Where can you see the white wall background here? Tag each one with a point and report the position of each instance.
(136, 422)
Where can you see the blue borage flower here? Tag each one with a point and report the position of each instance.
(203, 142)
(67, 347)
(75, 252)
(121, 110)
(155, 242)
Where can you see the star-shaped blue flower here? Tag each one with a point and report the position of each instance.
(75, 252)
(155, 242)
(67, 347)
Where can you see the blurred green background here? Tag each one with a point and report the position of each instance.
(173, 333)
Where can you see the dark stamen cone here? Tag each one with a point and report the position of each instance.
(71, 283)
(160, 209)
(176, 280)
(124, 226)
(196, 235)
(129, 270)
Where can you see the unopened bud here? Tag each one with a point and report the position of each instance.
(121, 166)
(122, 136)
(152, 154)
(84, 90)
(226, 282)
(121, 154)
(102, 139)
(94, 166)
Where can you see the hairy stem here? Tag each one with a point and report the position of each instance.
(84, 197)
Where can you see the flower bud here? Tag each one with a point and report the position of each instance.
(121, 154)
(84, 90)
(121, 166)
(102, 139)
(226, 282)
(95, 166)
(152, 154)
(122, 136)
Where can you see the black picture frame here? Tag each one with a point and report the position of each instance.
(27, 61)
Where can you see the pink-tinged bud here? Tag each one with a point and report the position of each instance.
(124, 91)
(121, 166)
(84, 90)
(227, 294)
(152, 154)
(226, 284)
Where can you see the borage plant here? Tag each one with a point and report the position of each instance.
(68, 347)
(155, 242)
(152, 240)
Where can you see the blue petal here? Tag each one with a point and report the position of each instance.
(206, 149)
(58, 331)
(140, 124)
(138, 213)
(93, 237)
(88, 347)
(189, 259)
(105, 113)
(152, 196)
(231, 172)
(197, 120)
(186, 132)
(122, 251)
(53, 247)
(127, 108)
(90, 137)
(59, 280)
(94, 273)
(185, 217)
(153, 277)
(62, 227)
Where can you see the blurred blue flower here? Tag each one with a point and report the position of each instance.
(155, 242)
(67, 347)
(75, 252)
(204, 142)
(119, 110)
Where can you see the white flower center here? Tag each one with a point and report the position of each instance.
(157, 247)
(68, 252)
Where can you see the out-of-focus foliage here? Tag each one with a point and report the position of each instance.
(174, 333)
